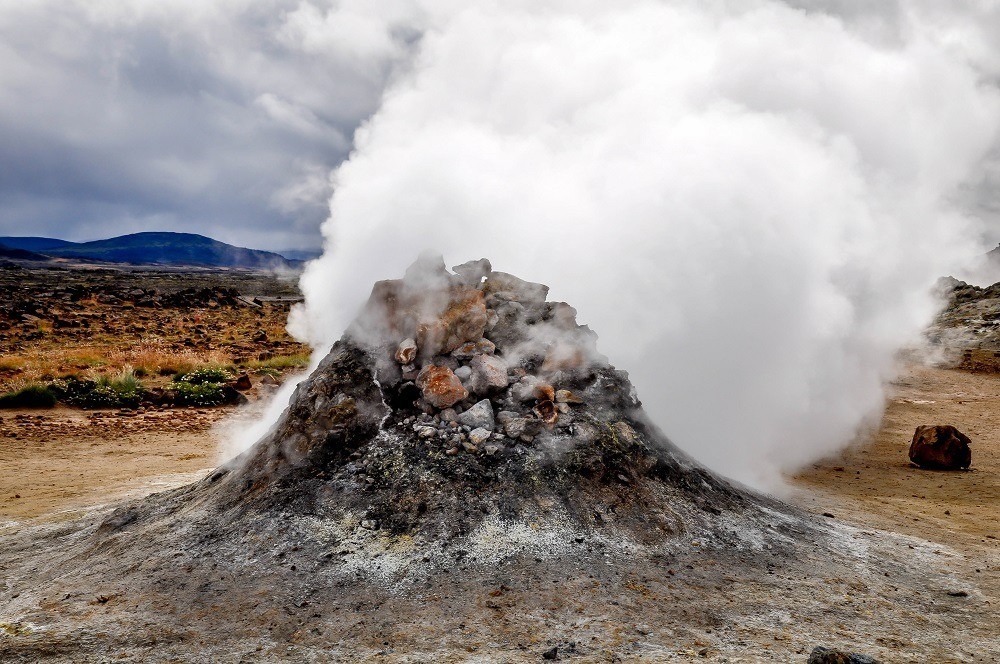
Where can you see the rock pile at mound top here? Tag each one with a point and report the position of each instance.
(481, 355)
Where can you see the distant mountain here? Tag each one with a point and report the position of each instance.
(34, 243)
(301, 254)
(161, 248)
(20, 254)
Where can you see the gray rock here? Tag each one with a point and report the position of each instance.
(505, 415)
(472, 273)
(463, 373)
(479, 416)
(518, 427)
(823, 655)
(489, 372)
(525, 389)
(514, 289)
(479, 436)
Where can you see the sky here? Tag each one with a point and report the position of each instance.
(223, 118)
(227, 117)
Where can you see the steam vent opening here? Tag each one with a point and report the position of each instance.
(464, 477)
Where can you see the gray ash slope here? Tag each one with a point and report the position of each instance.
(463, 471)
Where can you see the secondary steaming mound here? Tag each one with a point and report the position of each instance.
(463, 473)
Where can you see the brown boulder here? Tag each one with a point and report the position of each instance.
(440, 386)
(940, 448)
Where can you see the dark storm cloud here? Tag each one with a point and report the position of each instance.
(223, 118)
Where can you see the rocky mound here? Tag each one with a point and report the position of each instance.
(458, 399)
(463, 473)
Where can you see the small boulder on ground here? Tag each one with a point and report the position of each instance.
(940, 447)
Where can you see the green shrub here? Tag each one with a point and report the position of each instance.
(70, 388)
(122, 391)
(204, 376)
(198, 394)
(31, 396)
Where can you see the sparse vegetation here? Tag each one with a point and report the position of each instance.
(87, 328)
(198, 394)
(280, 362)
(122, 391)
(35, 395)
(206, 375)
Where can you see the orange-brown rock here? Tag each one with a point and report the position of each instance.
(440, 386)
(463, 320)
(546, 412)
(544, 392)
(940, 448)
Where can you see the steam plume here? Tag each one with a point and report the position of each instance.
(749, 202)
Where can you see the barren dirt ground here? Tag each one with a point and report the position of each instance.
(873, 484)
(57, 463)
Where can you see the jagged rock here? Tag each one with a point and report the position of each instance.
(562, 315)
(489, 372)
(940, 448)
(469, 350)
(524, 390)
(516, 427)
(440, 386)
(479, 416)
(243, 383)
(532, 388)
(479, 436)
(463, 319)
(406, 352)
(503, 286)
(427, 305)
(823, 655)
(565, 396)
(472, 273)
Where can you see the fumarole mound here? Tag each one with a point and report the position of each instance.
(461, 404)
(463, 476)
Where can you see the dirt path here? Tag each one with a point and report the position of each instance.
(59, 461)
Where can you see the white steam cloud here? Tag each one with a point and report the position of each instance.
(748, 202)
